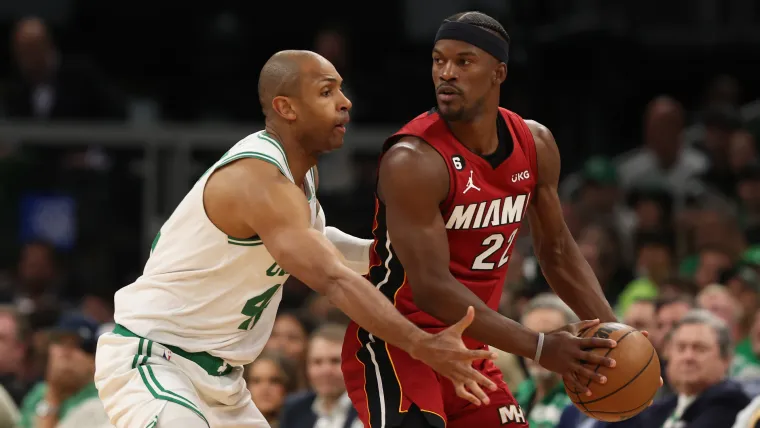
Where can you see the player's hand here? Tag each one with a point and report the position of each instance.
(565, 353)
(446, 354)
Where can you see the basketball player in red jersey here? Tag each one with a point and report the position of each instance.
(454, 186)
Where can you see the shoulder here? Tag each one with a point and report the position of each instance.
(411, 163)
(542, 136)
(547, 153)
(413, 157)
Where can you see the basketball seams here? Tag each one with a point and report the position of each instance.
(643, 369)
(608, 353)
(599, 365)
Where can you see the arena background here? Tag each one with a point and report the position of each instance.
(149, 94)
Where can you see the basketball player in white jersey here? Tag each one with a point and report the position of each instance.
(208, 296)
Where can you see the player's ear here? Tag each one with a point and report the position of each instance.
(284, 107)
(500, 74)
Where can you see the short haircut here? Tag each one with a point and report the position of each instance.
(288, 375)
(667, 301)
(704, 317)
(550, 301)
(330, 332)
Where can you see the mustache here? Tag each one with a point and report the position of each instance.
(448, 86)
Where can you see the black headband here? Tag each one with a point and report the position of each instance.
(475, 36)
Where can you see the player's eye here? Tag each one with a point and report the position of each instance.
(326, 92)
(437, 61)
(465, 62)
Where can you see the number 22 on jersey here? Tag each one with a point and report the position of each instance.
(494, 243)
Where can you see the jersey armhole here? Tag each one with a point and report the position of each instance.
(254, 155)
(253, 240)
(528, 144)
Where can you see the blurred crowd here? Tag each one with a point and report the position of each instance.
(671, 229)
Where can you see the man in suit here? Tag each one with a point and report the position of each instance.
(328, 406)
(49, 86)
(699, 355)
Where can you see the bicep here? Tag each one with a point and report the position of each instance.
(278, 213)
(411, 195)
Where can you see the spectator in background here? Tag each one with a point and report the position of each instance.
(677, 286)
(652, 204)
(599, 200)
(14, 334)
(50, 86)
(748, 195)
(742, 151)
(290, 336)
(641, 315)
(270, 379)
(699, 355)
(668, 312)
(746, 363)
(744, 284)
(720, 123)
(723, 91)
(600, 246)
(39, 281)
(713, 262)
(654, 264)
(67, 398)
(542, 396)
(328, 406)
(721, 303)
(662, 156)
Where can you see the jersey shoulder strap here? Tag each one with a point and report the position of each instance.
(262, 146)
(524, 137)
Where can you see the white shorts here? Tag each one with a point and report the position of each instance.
(137, 377)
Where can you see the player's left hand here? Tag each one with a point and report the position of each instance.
(446, 354)
(646, 334)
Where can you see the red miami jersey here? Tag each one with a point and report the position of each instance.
(483, 211)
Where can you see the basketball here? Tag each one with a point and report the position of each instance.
(631, 384)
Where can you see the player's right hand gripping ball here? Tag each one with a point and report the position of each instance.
(631, 385)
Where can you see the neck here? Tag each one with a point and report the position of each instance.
(299, 160)
(478, 134)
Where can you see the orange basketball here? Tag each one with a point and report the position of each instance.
(631, 384)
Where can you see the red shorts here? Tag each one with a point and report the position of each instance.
(383, 382)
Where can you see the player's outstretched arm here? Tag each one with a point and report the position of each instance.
(413, 181)
(254, 193)
(561, 261)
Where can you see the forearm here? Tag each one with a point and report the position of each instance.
(449, 302)
(570, 276)
(369, 308)
(309, 256)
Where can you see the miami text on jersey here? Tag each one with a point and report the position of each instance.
(499, 212)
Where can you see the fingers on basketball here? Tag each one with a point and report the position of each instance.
(631, 385)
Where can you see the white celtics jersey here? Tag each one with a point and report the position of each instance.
(204, 291)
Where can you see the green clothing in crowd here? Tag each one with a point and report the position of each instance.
(81, 409)
(745, 365)
(638, 289)
(545, 413)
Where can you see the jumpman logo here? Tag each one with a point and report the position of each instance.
(470, 185)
